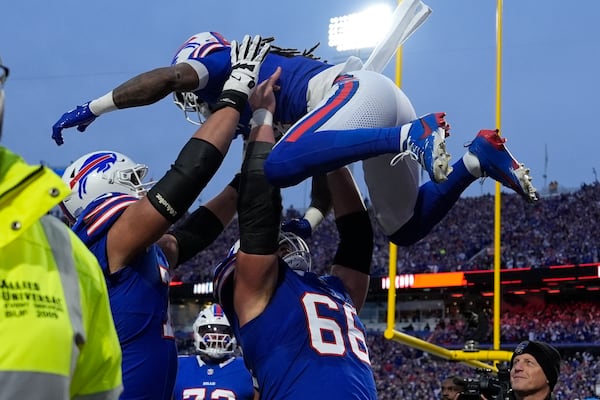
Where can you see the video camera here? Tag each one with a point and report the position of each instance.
(493, 388)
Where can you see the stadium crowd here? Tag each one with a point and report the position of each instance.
(557, 230)
(573, 323)
(558, 233)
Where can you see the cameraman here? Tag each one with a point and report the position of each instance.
(451, 387)
(534, 369)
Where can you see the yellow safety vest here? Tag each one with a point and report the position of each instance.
(57, 335)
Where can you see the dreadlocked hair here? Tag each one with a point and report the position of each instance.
(291, 52)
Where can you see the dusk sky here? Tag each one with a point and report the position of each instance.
(64, 53)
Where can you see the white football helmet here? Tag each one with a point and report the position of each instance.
(212, 333)
(98, 173)
(200, 45)
(294, 251)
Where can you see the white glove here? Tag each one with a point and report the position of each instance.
(246, 60)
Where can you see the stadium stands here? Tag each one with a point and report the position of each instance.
(558, 229)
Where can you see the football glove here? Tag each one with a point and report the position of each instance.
(246, 59)
(80, 116)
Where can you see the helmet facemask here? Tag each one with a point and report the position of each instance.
(295, 252)
(215, 341)
(195, 110)
(132, 178)
(212, 333)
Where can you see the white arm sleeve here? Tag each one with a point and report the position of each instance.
(201, 71)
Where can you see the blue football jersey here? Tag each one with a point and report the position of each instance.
(139, 300)
(308, 343)
(209, 54)
(199, 380)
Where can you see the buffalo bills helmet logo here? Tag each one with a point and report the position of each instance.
(218, 311)
(96, 163)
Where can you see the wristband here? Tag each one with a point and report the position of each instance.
(231, 98)
(103, 104)
(314, 217)
(262, 116)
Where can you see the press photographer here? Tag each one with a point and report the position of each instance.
(486, 386)
(534, 370)
(533, 373)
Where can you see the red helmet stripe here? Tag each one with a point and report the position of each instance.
(83, 171)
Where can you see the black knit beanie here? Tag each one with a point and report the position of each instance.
(547, 356)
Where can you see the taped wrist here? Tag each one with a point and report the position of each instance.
(314, 216)
(231, 98)
(355, 249)
(196, 233)
(262, 116)
(176, 191)
(259, 204)
(103, 104)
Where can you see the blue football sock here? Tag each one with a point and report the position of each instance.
(433, 203)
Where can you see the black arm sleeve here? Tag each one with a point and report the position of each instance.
(355, 249)
(199, 230)
(196, 233)
(176, 191)
(320, 196)
(259, 204)
(235, 182)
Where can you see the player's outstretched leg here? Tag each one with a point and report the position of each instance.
(498, 163)
(424, 139)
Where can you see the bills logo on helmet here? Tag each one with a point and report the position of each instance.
(218, 311)
(97, 163)
(200, 45)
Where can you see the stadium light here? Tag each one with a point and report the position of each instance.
(360, 30)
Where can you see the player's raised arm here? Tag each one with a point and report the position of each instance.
(143, 89)
(144, 222)
(259, 212)
(186, 73)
